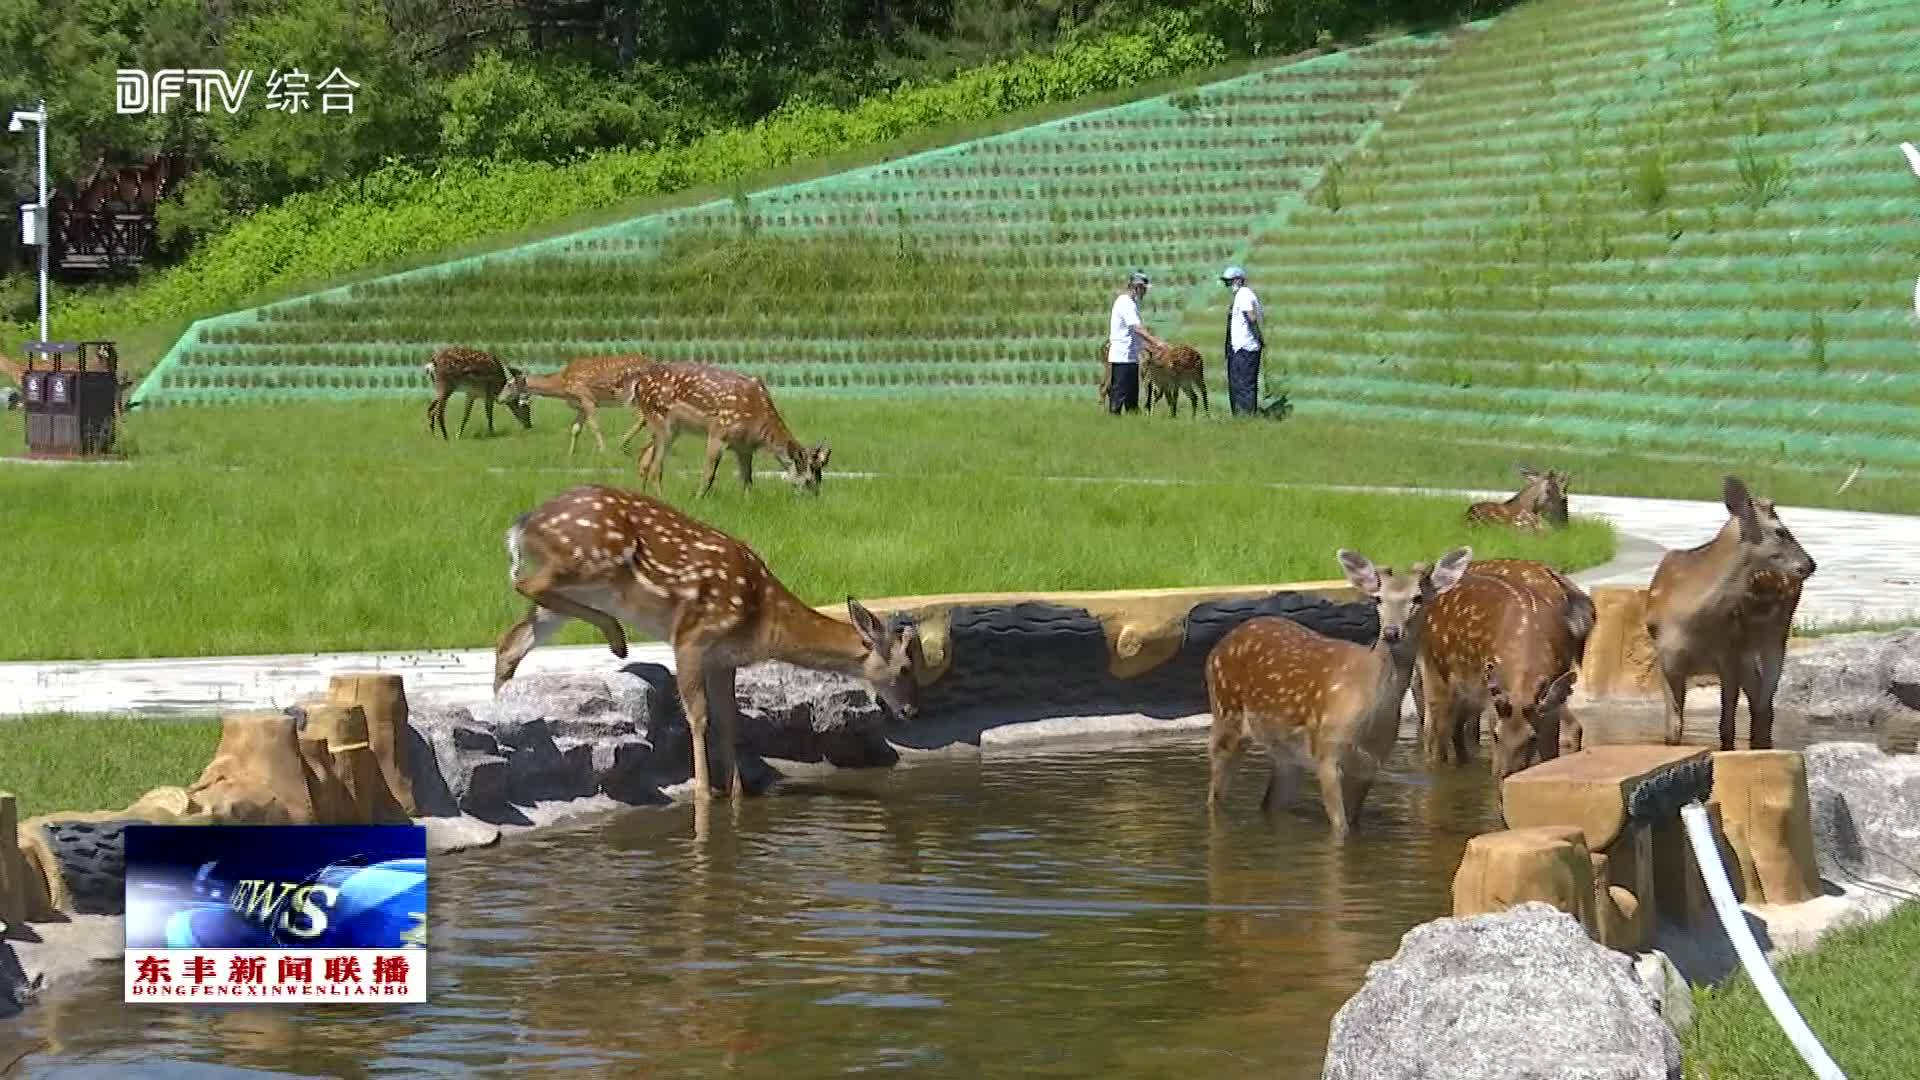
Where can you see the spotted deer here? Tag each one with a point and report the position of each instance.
(1540, 503)
(737, 413)
(1495, 641)
(1306, 699)
(12, 370)
(610, 556)
(1106, 371)
(1725, 609)
(1168, 372)
(482, 375)
(585, 384)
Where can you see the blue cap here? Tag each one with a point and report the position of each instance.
(1231, 272)
(1138, 277)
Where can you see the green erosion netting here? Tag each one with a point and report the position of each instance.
(982, 265)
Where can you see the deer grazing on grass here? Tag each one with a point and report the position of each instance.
(1541, 503)
(1168, 372)
(735, 411)
(1725, 608)
(585, 384)
(1308, 699)
(610, 556)
(481, 375)
(1494, 640)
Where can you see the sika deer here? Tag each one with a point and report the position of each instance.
(1538, 504)
(1106, 372)
(585, 384)
(611, 556)
(1725, 608)
(1167, 373)
(1303, 697)
(735, 411)
(1492, 638)
(480, 374)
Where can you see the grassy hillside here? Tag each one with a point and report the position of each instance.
(1668, 225)
(985, 264)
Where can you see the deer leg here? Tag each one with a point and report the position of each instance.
(486, 405)
(541, 589)
(627, 439)
(1436, 710)
(693, 700)
(433, 414)
(663, 446)
(1222, 752)
(723, 707)
(1760, 697)
(592, 414)
(744, 456)
(1283, 782)
(534, 629)
(714, 449)
(1732, 676)
(1673, 686)
(1333, 796)
(467, 415)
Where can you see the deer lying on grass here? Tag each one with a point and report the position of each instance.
(1305, 698)
(585, 384)
(1493, 640)
(1725, 608)
(1542, 502)
(481, 375)
(611, 556)
(1167, 373)
(735, 411)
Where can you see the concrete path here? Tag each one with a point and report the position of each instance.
(1869, 570)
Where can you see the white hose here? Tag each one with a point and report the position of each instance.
(1707, 853)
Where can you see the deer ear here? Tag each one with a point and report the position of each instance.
(1360, 571)
(821, 453)
(1450, 569)
(1555, 694)
(1734, 494)
(869, 626)
(1529, 472)
(1496, 691)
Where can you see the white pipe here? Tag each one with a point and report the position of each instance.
(1707, 853)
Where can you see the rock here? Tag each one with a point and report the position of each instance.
(1853, 679)
(1671, 994)
(796, 714)
(1524, 994)
(1866, 811)
(16, 990)
(446, 835)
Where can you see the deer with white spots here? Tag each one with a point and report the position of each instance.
(609, 556)
(1495, 641)
(1540, 503)
(1309, 700)
(585, 384)
(735, 411)
(1725, 608)
(481, 374)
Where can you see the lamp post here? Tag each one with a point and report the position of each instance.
(38, 118)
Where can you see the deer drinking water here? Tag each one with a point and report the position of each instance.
(610, 556)
(1168, 372)
(1494, 640)
(585, 384)
(1308, 699)
(735, 411)
(1542, 502)
(481, 375)
(1725, 608)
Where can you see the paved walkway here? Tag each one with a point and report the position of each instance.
(1869, 570)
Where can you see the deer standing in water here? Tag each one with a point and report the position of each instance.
(481, 375)
(1308, 699)
(735, 411)
(585, 384)
(609, 556)
(1542, 502)
(1493, 640)
(1725, 608)
(1171, 371)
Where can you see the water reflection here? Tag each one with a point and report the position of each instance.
(1070, 913)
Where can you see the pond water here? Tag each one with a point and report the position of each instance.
(1060, 913)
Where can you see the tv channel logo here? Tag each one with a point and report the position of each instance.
(226, 913)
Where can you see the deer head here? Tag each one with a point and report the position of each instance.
(806, 466)
(893, 661)
(1765, 543)
(1402, 599)
(1526, 735)
(515, 393)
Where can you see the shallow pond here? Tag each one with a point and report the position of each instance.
(1058, 913)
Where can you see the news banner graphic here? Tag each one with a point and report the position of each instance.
(262, 913)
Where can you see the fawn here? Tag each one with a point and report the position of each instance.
(585, 384)
(735, 411)
(1725, 608)
(1308, 699)
(1169, 372)
(1540, 503)
(480, 374)
(610, 556)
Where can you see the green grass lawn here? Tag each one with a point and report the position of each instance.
(124, 758)
(319, 527)
(1856, 992)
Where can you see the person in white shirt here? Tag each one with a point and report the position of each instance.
(1125, 334)
(1244, 343)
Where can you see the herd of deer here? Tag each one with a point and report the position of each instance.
(1462, 636)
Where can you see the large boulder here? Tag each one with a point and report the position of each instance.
(1524, 994)
(1866, 811)
(1860, 680)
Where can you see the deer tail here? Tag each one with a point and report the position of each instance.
(515, 553)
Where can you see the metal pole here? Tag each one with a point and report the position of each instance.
(46, 224)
